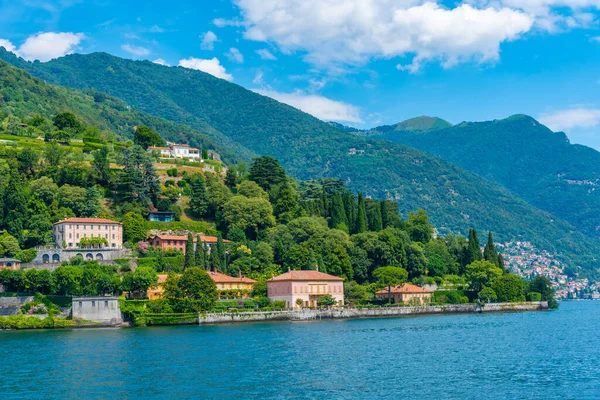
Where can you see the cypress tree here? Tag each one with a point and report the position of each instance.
(390, 216)
(199, 255)
(501, 262)
(189, 260)
(205, 256)
(338, 213)
(214, 260)
(198, 200)
(473, 249)
(374, 216)
(361, 217)
(325, 204)
(350, 208)
(489, 252)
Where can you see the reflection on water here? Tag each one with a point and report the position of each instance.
(528, 355)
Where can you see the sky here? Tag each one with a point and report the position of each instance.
(362, 63)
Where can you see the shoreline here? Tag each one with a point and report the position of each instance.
(357, 313)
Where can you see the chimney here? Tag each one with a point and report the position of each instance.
(317, 267)
(289, 269)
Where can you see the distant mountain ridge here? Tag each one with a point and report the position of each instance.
(247, 124)
(530, 160)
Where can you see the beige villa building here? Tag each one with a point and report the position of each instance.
(305, 285)
(407, 294)
(69, 232)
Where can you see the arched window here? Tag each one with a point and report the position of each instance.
(99, 257)
(55, 258)
(45, 258)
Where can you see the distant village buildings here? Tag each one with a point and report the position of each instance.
(166, 241)
(307, 286)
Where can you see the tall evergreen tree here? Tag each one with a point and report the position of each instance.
(501, 262)
(190, 259)
(339, 218)
(350, 208)
(215, 260)
(390, 216)
(199, 254)
(221, 251)
(374, 216)
(473, 249)
(230, 178)
(15, 206)
(267, 172)
(325, 208)
(361, 218)
(489, 252)
(198, 198)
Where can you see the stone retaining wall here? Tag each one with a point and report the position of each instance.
(306, 315)
(14, 302)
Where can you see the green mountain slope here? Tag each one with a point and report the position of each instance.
(530, 160)
(26, 96)
(310, 148)
(418, 124)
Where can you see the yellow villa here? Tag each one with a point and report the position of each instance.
(407, 294)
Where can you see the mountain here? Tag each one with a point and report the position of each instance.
(538, 165)
(26, 96)
(309, 148)
(417, 124)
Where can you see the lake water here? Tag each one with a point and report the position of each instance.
(500, 356)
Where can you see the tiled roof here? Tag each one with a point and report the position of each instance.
(205, 239)
(162, 278)
(87, 221)
(5, 260)
(406, 288)
(305, 276)
(222, 278)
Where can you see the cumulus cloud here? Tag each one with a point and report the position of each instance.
(258, 78)
(318, 106)
(160, 61)
(208, 41)
(351, 32)
(45, 46)
(565, 120)
(137, 51)
(8, 45)
(266, 54)
(212, 66)
(235, 55)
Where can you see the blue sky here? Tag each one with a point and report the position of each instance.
(360, 62)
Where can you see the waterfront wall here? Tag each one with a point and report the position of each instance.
(14, 302)
(306, 315)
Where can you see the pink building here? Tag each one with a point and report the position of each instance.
(305, 285)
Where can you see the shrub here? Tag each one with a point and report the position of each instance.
(450, 297)
(534, 296)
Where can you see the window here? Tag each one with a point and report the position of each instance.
(70, 244)
(80, 304)
(70, 235)
(78, 236)
(93, 303)
(105, 303)
(113, 245)
(84, 227)
(70, 226)
(113, 235)
(105, 227)
(77, 226)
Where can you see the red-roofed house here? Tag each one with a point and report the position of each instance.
(305, 285)
(407, 294)
(226, 282)
(178, 242)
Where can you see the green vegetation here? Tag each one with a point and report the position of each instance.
(310, 149)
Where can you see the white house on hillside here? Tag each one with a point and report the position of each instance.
(176, 150)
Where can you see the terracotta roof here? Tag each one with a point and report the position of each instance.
(222, 278)
(162, 278)
(305, 276)
(88, 221)
(406, 288)
(159, 148)
(205, 239)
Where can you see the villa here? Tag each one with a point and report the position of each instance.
(407, 294)
(307, 286)
(176, 150)
(157, 291)
(178, 242)
(226, 282)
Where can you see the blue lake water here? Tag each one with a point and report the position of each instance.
(542, 355)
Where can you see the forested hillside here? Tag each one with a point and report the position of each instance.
(309, 148)
(530, 160)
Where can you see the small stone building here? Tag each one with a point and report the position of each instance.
(9, 263)
(103, 309)
(307, 286)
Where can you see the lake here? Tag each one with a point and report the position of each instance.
(515, 355)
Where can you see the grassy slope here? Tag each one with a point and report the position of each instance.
(310, 148)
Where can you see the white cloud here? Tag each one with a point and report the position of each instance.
(208, 41)
(212, 66)
(8, 45)
(46, 46)
(335, 33)
(258, 78)
(156, 29)
(595, 39)
(318, 106)
(266, 54)
(565, 120)
(234, 55)
(160, 61)
(222, 22)
(137, 51)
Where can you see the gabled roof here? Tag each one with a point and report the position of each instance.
(296, 275)
(205, 239)
(88, 221)
(222, 278)
(407, 288)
